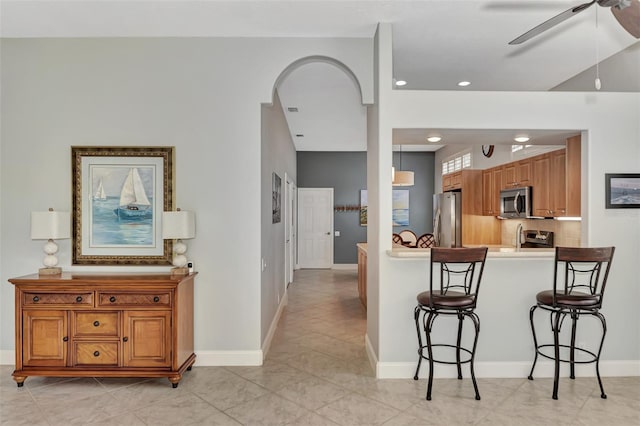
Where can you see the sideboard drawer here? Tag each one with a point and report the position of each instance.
(162, 299)
(60, 299)
(96, 353)
(96, 323)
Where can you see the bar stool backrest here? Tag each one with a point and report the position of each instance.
(408, 237)
(457, 270)
(426, 241)
(582, 271)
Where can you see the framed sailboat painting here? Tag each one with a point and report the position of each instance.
(119, 194)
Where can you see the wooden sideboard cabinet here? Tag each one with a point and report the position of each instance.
(104, 325)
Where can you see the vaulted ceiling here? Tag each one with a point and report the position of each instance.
(436, 45)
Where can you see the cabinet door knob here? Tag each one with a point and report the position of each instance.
(96, 353)
(96, 323)
(125, 339)
(36, 299)
(79, 299)
(112, 299)
(65, 339)
(156, 299)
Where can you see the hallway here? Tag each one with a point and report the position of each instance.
(316, 373)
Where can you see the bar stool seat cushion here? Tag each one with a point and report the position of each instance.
(452, 299)
(576, 299)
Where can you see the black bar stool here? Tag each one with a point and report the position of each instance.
(455, 275)
(580, 277)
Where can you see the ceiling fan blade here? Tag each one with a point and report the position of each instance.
(551, 23)
(629, 18)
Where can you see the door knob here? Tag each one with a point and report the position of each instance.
(328, 233)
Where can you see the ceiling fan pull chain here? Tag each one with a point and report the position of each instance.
(597, 82)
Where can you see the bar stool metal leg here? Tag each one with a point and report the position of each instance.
(476, 323)
(572, 354)
(458, 342)
(416, 315)
(604, 332)
(428, 324)
(535, 341)
(556, 347)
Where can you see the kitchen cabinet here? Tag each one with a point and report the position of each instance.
(541, 195)
(555, 178)
(516, 174)
(491, 185)
(551, 185)
(452, 181)
(573, 175)
(558, 183)
(104, 325)
(362, 273)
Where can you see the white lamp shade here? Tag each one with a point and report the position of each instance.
(178, 225)
(50, 225)
(402, 178)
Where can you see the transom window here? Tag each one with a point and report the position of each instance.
(456, 162)
(516, 148)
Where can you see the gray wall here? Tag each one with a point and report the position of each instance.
(346, 172)
(201, 95)
(421, 193)
(277, 155)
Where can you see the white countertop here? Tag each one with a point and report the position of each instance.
(494, 252)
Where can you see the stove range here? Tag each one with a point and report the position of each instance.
(538, 239)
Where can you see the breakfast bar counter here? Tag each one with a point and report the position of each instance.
(510, 282)
(494, 252)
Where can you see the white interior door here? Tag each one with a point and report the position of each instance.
(315, 227)
(289, 230)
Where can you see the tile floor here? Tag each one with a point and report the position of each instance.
(316, 373)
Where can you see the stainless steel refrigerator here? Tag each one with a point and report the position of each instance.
(447, 219)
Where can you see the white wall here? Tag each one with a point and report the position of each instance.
(610, 145)
(279, 156)
(201, 95)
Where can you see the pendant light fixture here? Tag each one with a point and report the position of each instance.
(401, 177)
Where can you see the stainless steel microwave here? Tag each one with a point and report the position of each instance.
(515, 202)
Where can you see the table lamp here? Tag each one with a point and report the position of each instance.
(179, 225)
(48, 226)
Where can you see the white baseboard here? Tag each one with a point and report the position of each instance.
(345, 266)
(515, 369)
(371, 354)
(274, 324)
(7, 357)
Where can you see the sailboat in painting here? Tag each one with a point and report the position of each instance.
(134, 204)
(100, 195)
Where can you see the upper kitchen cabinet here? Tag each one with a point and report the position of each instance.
(516, 174)
(470, 183)
(556, 181)
(452, 181)
(492, 180)
(573, 176)
(541, 185)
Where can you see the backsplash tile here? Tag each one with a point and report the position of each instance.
(565, 233)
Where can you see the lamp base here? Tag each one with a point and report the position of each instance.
(50, 271)
(180, 271)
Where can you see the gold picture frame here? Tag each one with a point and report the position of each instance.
(119, 194)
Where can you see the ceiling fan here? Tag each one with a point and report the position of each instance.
(627, 12)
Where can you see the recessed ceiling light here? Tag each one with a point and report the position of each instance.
(464, 83)
(401, 83)
(521, 138)
(434, 138)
